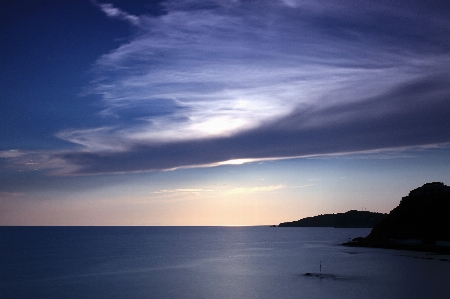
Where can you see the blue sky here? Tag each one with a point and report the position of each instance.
(218, 112)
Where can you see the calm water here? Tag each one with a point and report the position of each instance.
(209, 262)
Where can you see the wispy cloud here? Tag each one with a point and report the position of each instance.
(186, 190)
(257, 189)
(302, 186)
(114, 12)
(38, 161)
(218, 71)
(235, 82)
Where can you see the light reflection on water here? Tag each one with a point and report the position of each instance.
(209, 262)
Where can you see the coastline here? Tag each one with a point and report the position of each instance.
(361, 242)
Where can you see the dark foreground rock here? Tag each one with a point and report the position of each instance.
(351, 218)
(420, 222)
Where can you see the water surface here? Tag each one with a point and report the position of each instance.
(210, 262)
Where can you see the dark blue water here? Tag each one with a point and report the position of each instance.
(209, 262)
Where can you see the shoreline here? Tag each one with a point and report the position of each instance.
(410, 247)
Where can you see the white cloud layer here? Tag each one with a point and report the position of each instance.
(216, 72)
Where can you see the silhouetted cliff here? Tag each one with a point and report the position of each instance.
(420, 221)
(351, 218)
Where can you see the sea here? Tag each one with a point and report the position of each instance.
(211, 262)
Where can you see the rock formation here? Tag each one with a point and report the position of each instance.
(420, 221)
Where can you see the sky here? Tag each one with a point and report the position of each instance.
(225, 112)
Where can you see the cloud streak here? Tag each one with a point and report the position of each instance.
(257, 189)
(114, 12)
(186, 190)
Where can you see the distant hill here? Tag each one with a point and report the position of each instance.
(351, 218)
(420, 222)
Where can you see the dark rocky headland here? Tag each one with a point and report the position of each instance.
(420, 222)
(348, 219)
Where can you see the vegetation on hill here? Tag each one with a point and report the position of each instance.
(351, 218)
